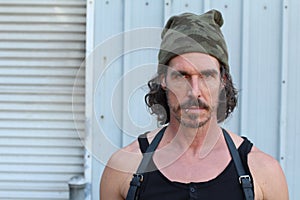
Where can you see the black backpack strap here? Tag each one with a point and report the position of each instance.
(143, 142)
(244, 178)
(138, 177)
(244, 150)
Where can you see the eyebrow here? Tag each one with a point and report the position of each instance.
(181, 72)
(203, 72)
(209, 72)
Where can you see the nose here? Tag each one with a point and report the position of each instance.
(195, 87)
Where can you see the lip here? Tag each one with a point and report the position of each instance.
(193, 109)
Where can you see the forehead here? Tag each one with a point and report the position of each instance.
(194, 62)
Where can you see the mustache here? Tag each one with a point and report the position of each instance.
(194, 103)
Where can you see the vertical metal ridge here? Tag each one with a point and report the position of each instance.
(244, 69)
(167, 10)
(89, 91)
(284, 84)
(206, 5)
(125, 62)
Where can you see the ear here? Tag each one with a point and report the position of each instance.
(163, 82)
(223, 81)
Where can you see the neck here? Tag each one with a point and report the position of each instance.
(181, 141)
(194, 141)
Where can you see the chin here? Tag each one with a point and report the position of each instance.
(194, 123)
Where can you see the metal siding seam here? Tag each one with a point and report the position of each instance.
(284, 83)
(244, 69)
(125, 61)
(89, 81)
(167, 10)
(206, 5)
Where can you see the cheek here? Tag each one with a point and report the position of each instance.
(212, 95)
(175, 95)
(174, 98)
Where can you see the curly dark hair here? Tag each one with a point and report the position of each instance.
(157, 102)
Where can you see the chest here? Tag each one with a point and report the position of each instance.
(194, 169)
(225, 186)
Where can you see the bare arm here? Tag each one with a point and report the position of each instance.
(269, 179)
(118, 172)
(111, 184)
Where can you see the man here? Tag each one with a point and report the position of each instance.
(190, 95)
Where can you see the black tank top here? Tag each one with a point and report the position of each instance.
(156, 186)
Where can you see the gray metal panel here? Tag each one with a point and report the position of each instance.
(41, 93)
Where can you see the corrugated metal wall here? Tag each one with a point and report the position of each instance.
(42, 45)
(263, 41)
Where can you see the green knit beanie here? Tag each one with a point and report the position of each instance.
(193, 33)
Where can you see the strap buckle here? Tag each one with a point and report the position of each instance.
(139, 176)
(244, 177)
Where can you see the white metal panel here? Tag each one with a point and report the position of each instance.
(109, 22)
(232, 31)
(42, 46)
(262, 38)
(264, 69)
(139, 63)
(292, 147)
(180, 6)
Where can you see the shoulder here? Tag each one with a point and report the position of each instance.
(262, 163)
(127, 158)
(268, 175)
(269, 179)
(119, 170)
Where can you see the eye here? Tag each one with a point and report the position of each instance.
(208, 74)
(180, 75)
(186, 76)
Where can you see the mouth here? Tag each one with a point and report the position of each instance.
(194, 109)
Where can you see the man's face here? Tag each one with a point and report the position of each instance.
(193, 86)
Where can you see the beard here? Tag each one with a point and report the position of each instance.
(191, 119)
